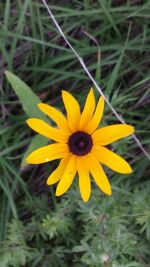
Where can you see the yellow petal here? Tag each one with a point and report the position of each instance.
(98, 174)
(111, 159)
(95, 121)
(68, 177)
(45, 129)
(56, 116)
(88, 110)
(58, 173)
(47, 153)
(73, 110)
(109, 134)
(84, 178)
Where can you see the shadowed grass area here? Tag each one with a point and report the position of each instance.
(37, 229)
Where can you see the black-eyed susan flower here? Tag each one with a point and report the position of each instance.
(79, 144)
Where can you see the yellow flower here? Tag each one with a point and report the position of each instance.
(79, 145)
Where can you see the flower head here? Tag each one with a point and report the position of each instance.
(79, 145)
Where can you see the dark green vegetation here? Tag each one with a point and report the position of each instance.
(37, 229)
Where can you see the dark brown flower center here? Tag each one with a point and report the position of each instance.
(80, 143)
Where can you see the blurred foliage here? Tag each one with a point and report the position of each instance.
(37, 229)
(110, 231)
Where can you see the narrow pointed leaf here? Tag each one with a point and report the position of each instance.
(27, 97)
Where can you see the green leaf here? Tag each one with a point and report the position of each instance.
(114, 74)
(29, 102)
(28, 99)
(37, 141)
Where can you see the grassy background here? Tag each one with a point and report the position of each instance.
(37, 229)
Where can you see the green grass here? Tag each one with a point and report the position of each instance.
(37, 229)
